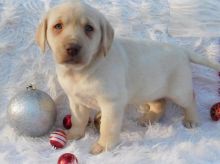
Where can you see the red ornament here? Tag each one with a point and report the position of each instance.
(215, 112)
(58, 139)
(67, 158)
(67, 121)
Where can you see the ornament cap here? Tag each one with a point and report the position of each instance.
(31, 87)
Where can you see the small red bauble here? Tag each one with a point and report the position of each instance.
(215, 112)
(67, 158)
(58, 139)
(67, 121)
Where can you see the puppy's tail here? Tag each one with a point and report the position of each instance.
(203, 60)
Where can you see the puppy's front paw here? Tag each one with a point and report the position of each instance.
(97, 149)
(190, 124)
(74, 134)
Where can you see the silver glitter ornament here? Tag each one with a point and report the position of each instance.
(32, 112)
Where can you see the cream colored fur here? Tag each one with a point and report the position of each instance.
(111, 73)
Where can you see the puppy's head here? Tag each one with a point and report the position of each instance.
(76, 33)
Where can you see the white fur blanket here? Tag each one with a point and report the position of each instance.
(162, 20)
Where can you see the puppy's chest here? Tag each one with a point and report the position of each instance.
(82, 92)
(86, 99)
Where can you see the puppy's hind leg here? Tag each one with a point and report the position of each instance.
(152, 112)
(183, 95)
(190, 111)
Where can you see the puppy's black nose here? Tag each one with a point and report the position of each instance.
(73, 49)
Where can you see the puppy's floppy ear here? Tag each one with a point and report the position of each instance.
(41, 35)
(107, 35)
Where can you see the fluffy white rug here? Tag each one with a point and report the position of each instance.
(166, 142)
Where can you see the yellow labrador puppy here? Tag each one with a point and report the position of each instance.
(97, 70)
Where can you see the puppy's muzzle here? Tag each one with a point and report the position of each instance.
(73, 50)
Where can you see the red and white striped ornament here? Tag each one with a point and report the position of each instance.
(58, 139)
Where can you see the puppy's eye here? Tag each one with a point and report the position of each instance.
(89, 28)
(58, 26)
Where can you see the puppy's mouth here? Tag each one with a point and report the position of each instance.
(66, 59)
(74, 61)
